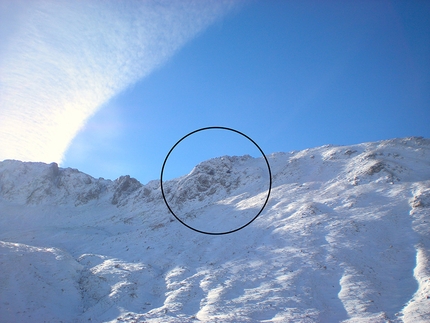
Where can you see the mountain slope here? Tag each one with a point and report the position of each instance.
(344, 237)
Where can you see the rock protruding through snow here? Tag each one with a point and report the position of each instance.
(343, 238)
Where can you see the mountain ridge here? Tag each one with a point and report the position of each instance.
(344, 237)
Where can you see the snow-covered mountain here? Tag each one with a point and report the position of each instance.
(344, 238)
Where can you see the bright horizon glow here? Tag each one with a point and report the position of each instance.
(61, 61)
(291, 75)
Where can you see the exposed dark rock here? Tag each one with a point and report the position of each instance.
(124, 185)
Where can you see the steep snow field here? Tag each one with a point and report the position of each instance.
(344, 238)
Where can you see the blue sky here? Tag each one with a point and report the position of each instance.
(290, 74)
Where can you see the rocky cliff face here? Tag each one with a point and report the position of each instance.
(344, 237)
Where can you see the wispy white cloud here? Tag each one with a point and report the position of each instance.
(61, 60)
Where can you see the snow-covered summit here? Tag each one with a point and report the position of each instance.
(344, 237)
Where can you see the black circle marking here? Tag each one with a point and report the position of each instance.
(226, 232)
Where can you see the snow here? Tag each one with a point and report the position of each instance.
(38, 284)
(343, 238)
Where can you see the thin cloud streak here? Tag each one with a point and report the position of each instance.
(63, 59)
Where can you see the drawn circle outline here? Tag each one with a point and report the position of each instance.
(216, 233)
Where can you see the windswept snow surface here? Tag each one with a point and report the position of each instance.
(344, 238)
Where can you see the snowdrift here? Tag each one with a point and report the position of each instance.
(343, 238)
